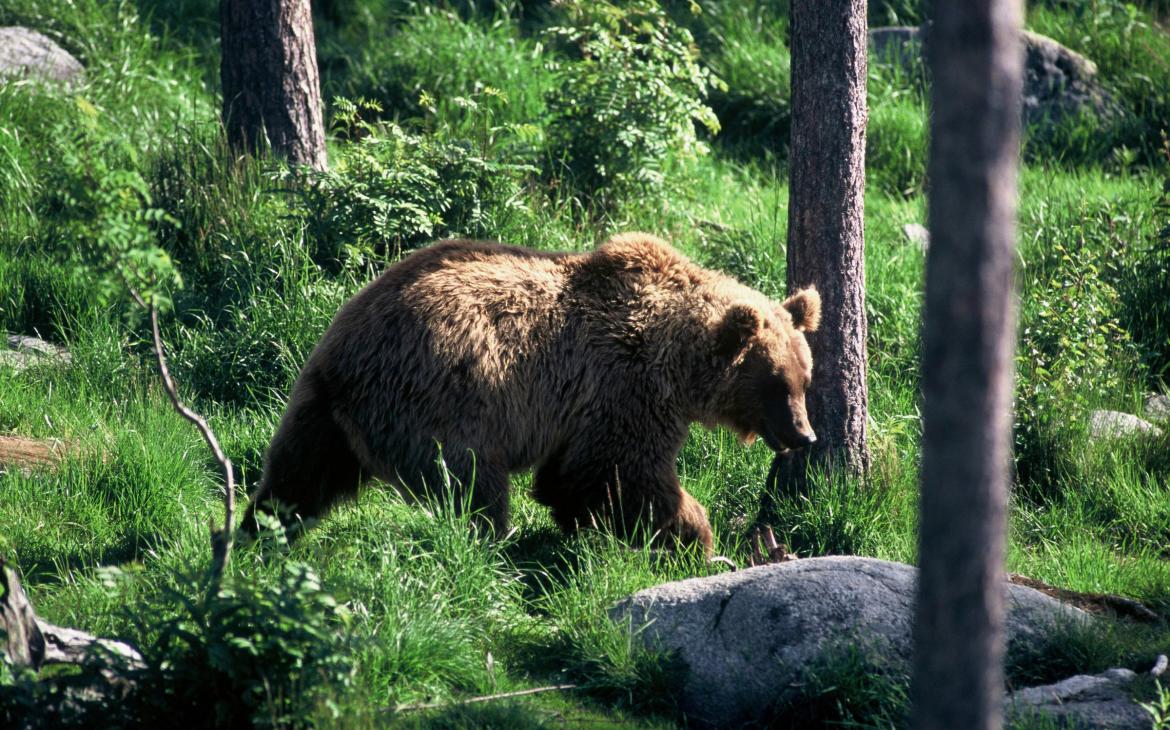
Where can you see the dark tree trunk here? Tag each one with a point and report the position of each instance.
(968, 336)
(269, 75)
(825, 238)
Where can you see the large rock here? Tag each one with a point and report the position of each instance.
(1097, 702)
(1158, 408)
(743, 641)
(25, 53)
(23, 352)
(1107, 425)
(1058, 81)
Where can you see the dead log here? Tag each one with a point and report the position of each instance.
(1097, 603)
(25, 453)
(25, 645)
(34, 642)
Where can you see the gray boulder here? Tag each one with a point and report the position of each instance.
(1097, 702)
(744, 641)
(25, 53)
(1058, 81)
(1115, 424)
(1158, 408)
(24, 351)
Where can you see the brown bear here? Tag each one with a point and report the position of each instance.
(588, 367)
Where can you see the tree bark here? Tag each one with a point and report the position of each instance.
(271, 89)
(968, 338)
(826, 247)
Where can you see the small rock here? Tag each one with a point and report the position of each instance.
(917, 234)
(1101, 701)
(1114, 424)
(745, 640)
(1158, 408)
(24, 352)
(25, 53)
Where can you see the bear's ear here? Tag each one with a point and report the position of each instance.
(740, 324)
(805, 308)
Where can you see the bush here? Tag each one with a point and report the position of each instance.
(628, 100)
(101, 216)
(263, 651)
(392, 190)
(1073, 354)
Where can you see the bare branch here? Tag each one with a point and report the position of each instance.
(221, 540)
(724, 560)
(485, 698)
(70, 646)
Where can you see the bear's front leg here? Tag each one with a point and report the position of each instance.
(638, 501)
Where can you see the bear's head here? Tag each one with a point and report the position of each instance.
(769, 369)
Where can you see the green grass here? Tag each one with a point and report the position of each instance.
(116, 540)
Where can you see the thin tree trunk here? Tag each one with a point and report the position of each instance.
(826, 246)
(968, 338)
(270, 83)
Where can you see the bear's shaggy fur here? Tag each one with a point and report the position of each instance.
(588, 367)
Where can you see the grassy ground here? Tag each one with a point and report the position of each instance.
(115, 542)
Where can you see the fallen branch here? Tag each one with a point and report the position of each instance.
(24, 453)
(70, 646)
(486, 698)
(1099, 603)
(34, 642)
(221, 540)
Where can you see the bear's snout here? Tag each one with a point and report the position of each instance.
(807, 438)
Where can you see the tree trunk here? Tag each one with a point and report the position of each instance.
(968, 337)
(270, 85)
(825, 237)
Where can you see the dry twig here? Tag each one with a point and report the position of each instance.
(221, 540)
(767, 549)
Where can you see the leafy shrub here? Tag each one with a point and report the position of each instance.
(1072, 354)
(102, 216)
(393, 190)
(628, 99)
(263, 651)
